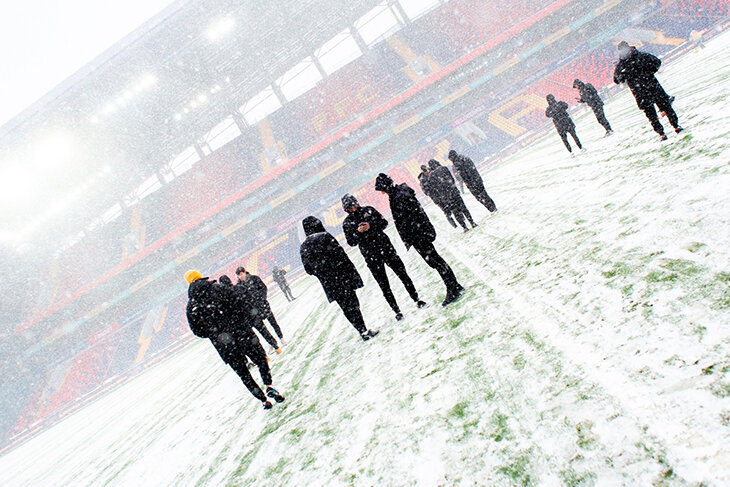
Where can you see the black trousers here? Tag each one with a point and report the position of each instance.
(268, 315)
(251, 347)
(435, 261)
(377, 268)
(482, 197)
(286, 290)
(447, 212)
(261, 328)
(564, 135)
(460, 211)
(601, 117)
(659, 98)
(350, 305)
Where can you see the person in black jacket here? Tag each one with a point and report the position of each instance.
(253, 309)
(445, 187)
(428, 190)
(638, 69)
(558, 111)
(217, 312)
(324, 258)
(465, 167)
(279, 276)
(416, 230)
(589, 95)
(363, 228)
(258, 291)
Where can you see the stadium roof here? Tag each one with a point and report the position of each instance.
(98, 135)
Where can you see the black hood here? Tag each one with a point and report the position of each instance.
(383, 182)
(550, 99)
(225, 280)
(348, 200)
(577, 83)
(453, 155)
(312, 225)
(433, 164)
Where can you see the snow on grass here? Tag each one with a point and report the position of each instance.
(591, 346)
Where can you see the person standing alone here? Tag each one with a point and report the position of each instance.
(416, 230)
(363, 228)
(589, 95)
(638, 70)
(324, 258)
(558, 111)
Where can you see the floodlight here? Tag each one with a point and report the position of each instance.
(217, 30)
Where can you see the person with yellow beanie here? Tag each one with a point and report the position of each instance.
(218, 313)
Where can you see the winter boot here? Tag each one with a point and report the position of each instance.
(663, 137)
(453, 294)
(678, 129)
(368, 334)
(274, 394)
(398, 316)
(421, 304)
(267, 405)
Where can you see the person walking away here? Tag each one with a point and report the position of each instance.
(428, 190)
(638, 69)
(216, 312)
(589, 95)
(279, 276)
(253, 310)
(466, 168)
(324, 258)
(259, 294)
(364, 228)
(416, 230)
(445, 186)
(558, 111)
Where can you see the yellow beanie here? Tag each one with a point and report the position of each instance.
(191, 276)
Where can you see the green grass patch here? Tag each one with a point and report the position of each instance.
(518, 470)
(571, 478)
(618, 269)
(586, 438)
(519, 361)
(500, 429)
(459, 410)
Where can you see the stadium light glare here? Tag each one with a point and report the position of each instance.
(19, 184)
(52, 152)
(220, 28)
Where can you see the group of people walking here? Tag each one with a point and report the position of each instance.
(439, 184)
(227, 314)
(638, 70)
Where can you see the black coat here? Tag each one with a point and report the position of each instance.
(638, 71)
(324, 258)
(278, 275)
(558, 111)
(589, 95)
(444, 186)
(428, 188)
(465, 167)
(220, 314)
(254, 286)
(254, 289)
(410, 219)
(374, 243)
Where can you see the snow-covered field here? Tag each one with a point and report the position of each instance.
(592, 346)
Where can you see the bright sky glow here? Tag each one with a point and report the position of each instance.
(46, 41)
